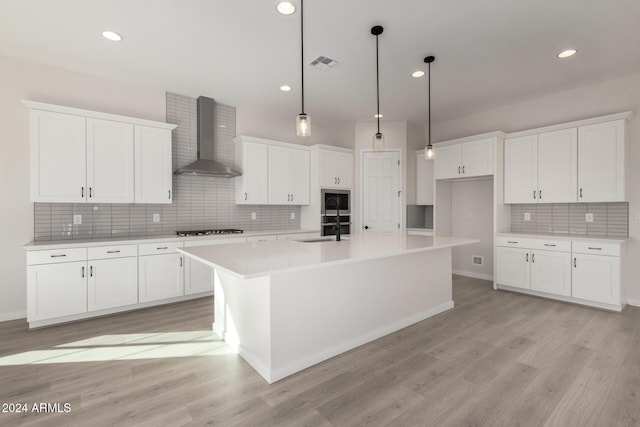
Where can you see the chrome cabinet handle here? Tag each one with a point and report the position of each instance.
(527, 258)
(82, 192)
(574, 263)
(463, 169)
(180, 261)
(58, 256)
(83, 271)
(534, 194)
(90, 192)
(91, 271)
(540, 194)
(162, 248)
(113, 252)
(533, 257)
(581, 193)
(458, 170)
(594, 249)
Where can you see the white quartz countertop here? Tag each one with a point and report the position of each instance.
(565, 237)
(256, 259)
(84, 243)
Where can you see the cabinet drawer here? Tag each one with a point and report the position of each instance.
(55, 256)
(596, 248)
(513, 242)
(158, 248)
(106, 252)
(551, 245)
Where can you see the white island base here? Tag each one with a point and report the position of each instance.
(282, 320)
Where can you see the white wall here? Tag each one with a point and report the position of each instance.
(472, 216)
(415, 141)
(395, 136)
(24, 80)
(611, 96)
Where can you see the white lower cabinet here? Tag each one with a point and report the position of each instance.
(160, 277)
(582, 271)
(56, 290)
(112, 283)
(198, 277)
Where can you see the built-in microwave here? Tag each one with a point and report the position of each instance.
(333, 200)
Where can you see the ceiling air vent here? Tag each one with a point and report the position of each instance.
(323, 63)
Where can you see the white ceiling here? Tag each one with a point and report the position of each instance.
(488, 53)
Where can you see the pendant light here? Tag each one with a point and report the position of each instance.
(303, 121)
(378, 138)
(428, 153)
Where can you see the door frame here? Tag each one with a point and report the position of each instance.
(401, 206)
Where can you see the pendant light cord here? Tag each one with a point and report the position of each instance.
(302, 49)
(377, 85)
(429, 64)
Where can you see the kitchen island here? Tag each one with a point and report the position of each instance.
(287, 305)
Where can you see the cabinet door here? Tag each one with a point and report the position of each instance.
(153, 172)
(58, 157)
(447, 162)
(109, 161)
(160, 277)
(279, 181)
(521, 169)
(198, 277)
(558, 166)
(513, 267)
(328, 169)
(56, 290)
(344, 170)
(299, 178)
(424, 179)
(112, 283)
(477, 157)
(596, 278)
(251, 186)
(601, 162)
(551, 272)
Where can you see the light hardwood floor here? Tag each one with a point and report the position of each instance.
(496, 359)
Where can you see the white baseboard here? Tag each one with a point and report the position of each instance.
(474, 275)
(634, 302)
(273, 375)
(5, 317)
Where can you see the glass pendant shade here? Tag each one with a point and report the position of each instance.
(303, 125)
(428, 153)
(378, 142)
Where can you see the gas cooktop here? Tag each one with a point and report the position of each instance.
(208, 232)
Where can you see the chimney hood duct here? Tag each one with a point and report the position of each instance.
(205, 163)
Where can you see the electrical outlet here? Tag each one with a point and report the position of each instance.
(253, 215)
(527, 216)
(588, 217)
(77, 219)
(156, 217)
(293, 215)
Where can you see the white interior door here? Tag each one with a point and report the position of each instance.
(381, 191)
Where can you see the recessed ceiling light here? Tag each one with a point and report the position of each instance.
(286, 7)
(222, 126)
(112, 36)
(285, 88)
(378, 116)
(417, 74)
(567, 53)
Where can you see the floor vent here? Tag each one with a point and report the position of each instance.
(323, 63)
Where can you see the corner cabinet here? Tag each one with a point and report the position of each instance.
(273, 173)
(582, 161)
(464, 159)
(73, 153)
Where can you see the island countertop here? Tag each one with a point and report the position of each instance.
(256, 259)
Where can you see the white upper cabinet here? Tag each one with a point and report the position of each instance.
(58, 157)
(424, 179)
(601, 162)
(575, 162)
(464, 159)
(153, 171)
(299, 177)
(336, 169)
(252, 186)
(109, 161)
(288, 176)
(557, 166)
(82, 156)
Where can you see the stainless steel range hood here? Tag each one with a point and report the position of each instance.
(205, 163)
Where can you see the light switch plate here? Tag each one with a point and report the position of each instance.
(527, 216)
(293, 215)
(156, 217)
(77, 219)
(253, 215)
(588, 217)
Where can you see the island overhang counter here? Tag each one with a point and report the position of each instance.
(286, 305)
